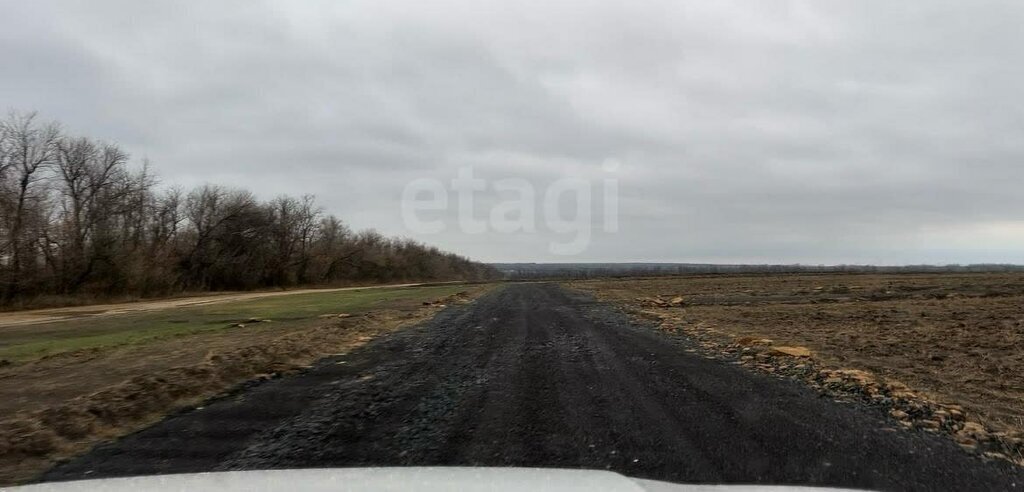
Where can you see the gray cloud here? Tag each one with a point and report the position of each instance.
(765, 132)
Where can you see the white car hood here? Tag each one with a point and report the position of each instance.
(391, 479)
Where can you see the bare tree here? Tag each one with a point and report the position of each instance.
(32, 150)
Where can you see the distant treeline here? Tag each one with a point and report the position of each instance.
(77, 220)
(528, 271)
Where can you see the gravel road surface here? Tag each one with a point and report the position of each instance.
(536, 375)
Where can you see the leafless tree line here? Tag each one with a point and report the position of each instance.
(76, 219)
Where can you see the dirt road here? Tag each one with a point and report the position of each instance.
(37, 316)
(534, 375)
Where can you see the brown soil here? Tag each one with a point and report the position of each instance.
(956, 338)
(61, 406)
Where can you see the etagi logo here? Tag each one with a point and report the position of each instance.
(565, 207)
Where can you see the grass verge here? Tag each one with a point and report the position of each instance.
(25, 343)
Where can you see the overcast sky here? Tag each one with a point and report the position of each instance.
(815, 132)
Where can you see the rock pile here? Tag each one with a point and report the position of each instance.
(661, 301)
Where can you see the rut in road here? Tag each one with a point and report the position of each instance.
(535, 375)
